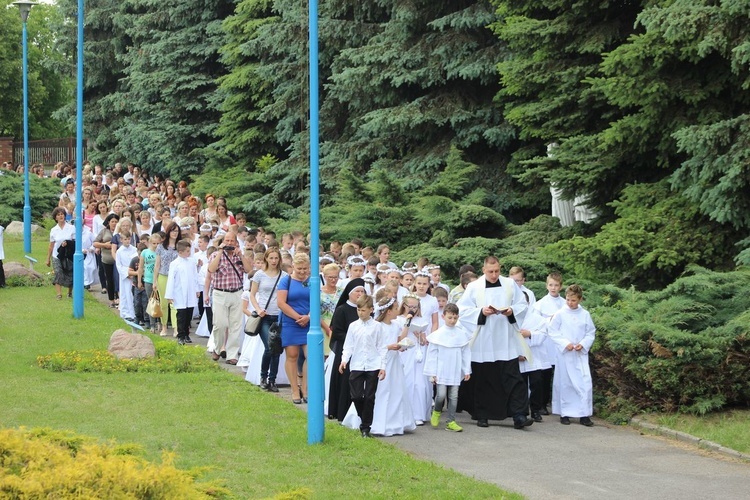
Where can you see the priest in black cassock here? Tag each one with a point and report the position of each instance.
(339, 399)
(492, 307)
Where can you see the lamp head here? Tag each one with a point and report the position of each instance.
(25, 7)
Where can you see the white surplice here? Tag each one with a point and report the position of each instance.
(572, 388)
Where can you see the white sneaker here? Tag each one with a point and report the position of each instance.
(419, 422)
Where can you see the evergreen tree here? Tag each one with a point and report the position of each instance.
(49, 84)
(557, 47)
(423, 83)
(168, 97)
(104, 43)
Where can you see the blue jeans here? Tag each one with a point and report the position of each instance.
(270, 361)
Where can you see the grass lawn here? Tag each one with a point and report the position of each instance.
(255, 442)
(729, 428)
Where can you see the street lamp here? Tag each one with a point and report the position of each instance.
(78, 255)
(24, 6)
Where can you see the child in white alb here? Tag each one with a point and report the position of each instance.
(182, 289)
(447, 364)
(573, 333)
(125, 253)
(547, 306)
(418, 387)
(365, 353)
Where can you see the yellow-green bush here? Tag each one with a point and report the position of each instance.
(170, 358)
(44, 463)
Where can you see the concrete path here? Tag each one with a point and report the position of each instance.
(550, 460)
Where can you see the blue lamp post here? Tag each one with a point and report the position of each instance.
(316, 389)
(25, 7)
(78, 255)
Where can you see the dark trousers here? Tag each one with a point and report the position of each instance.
(2, 274)
(269, 365)
(109, 273)
(362, 387)
(209, 318)
(102, 274)
(547, 376)
(200, 306)
(184, 316)
(534, 383)
(140, 302)
(495, 391)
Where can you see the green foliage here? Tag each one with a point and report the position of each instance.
(45, 463)
(513, 245)
(43, 194)
(657, 234)
(49, 85)
(684, 348)
(556, 47)
(170, 358)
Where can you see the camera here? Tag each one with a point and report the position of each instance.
(229, 248)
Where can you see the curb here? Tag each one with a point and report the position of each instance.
(688, 438)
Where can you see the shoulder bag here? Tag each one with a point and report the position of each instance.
(252, 325)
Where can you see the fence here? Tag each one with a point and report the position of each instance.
(48, 151)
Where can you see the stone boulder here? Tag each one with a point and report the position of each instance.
(18, 269)
(130, 345)
(16, 227)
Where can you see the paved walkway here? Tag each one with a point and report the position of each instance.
(549, 460)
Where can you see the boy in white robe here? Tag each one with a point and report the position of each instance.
(547, 306)
(534, 330)
(573, 333)
(448, 363)
(182, 289)
(125, 253)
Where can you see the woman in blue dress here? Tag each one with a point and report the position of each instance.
(293, 296)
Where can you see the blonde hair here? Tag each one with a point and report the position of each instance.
(300, 258)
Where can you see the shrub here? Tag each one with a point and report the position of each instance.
(657, 235)
(685, 348)
(44, 194)
(43, 463)
(170, 358)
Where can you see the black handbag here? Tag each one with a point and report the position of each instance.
(274, 338)
(254, 322)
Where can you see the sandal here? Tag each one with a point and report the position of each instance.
(231, 361)
(297, 401)
(59, 297)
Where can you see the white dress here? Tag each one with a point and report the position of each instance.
(572, 387)
(392, 414)
(122, 261)
(418, 386)
(90, 271)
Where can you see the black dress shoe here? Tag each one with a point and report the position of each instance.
(521, 421)
(264, 384)
(565, 420)
(181, 341)
(366, 434)
(188, 341)
(272, 387)
(586, 421)
(544, 411)
(223, 354)
(537, 416)
(482, 422)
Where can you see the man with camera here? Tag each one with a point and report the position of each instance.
(226, 268)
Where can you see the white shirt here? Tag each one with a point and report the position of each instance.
(59, 234)
(365, 346)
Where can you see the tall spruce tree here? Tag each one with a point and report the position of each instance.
(168, 96)
(557, 46)
(104, 43)
(423, 83)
